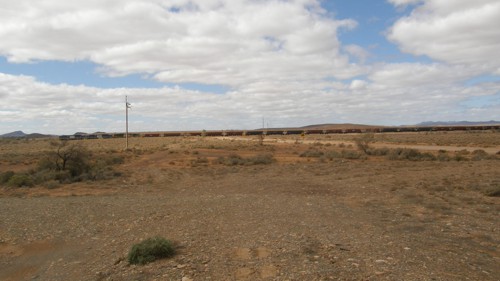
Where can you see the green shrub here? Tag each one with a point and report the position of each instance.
(234, 159)
(199, 161)
(493, 192)
(71, 162)
(312, 153)
(479, 154)
(261, 159)
(150, 250)
(332, 154)
(231, 160)
(409, 154)
(115, 160)
(5, 177)
(378, 151)
(443, 156)
(460, 157)
(352, 154)
(51, 184)
(20, 180)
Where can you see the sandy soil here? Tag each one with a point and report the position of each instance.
(296, 219)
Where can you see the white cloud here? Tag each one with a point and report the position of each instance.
(358, 84)
(33, 106)
(409, 75)
(217, 42)
(282, 60)
(404, 2)
(357, 52)
(455, 32)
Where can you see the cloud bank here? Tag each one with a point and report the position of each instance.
(281, 60)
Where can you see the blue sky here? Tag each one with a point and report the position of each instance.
(223, 64)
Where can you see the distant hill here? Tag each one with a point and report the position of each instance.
(21, 134)
(363, 126)
(327, 127)
(37, 135)
(458, 123)
(16, 134)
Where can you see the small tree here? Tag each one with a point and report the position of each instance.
(363, 142)
(66, 156)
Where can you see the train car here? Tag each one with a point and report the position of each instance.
(64, 137)
(172, 134)
(405, 129)
(233, 133)
(424, 129)
(253, 133)
(213, 133)
(294, 132)
(106, 136)
(314, 132)
(274, 132)
(389, 130)
(352, 131)
(150, 135)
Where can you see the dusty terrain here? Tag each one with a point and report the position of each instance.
(298, 218)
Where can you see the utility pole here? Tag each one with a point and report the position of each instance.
(127, 106)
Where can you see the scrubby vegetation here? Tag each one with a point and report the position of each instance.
(493, 192)
(234, 159)
(150, 250)
(409, 154)
(65, 162)
(333, 154)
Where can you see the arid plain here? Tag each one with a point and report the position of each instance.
(393, 206)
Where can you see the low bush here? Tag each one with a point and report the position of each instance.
(363, 142)
(312, 153)
(231, 160)
(150, 250)
(352, 154)
(45, 175)
(493, 192)
(5, 176)
(378, 151)
(20, 180)
(199, 161)
(332, 154)
(460, 157)
(261, 159)
(234, 159)
(478, 155)
(51, 184)
(409, 154)
(65, 163)
(443, 156)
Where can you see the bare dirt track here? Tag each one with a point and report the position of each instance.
(299, 218)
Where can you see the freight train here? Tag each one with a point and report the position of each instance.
(280, 132)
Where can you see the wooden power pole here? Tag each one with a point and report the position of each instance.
(127, 106)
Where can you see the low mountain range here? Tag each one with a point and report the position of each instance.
(21, 134)
(458, 123)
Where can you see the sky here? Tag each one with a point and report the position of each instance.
(66, 66)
